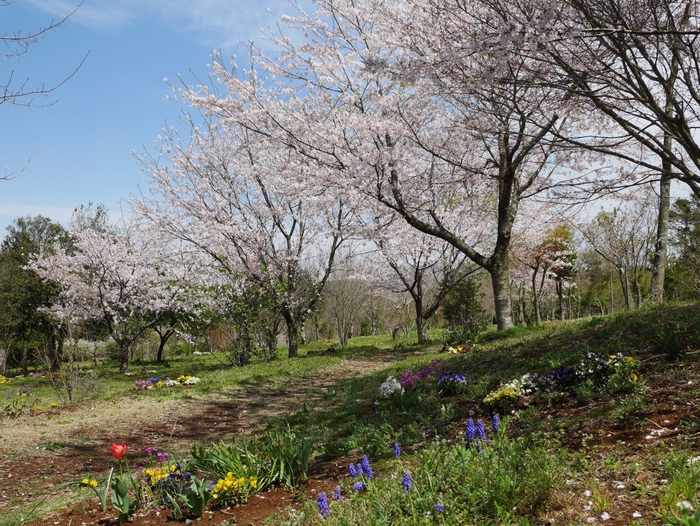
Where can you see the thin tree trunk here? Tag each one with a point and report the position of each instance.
(658, 275)
(25, 358)
(536, 298)
(624, 282)
(123, 357)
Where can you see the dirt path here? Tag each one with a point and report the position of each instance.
(40, 452)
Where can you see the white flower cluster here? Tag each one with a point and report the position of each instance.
(389, 387)
(512, 390)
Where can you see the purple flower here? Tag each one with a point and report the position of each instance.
(480, 429)
(397, 450)
(496, 423)
(323, 507)
(471, 432)
(353, 471)
(366, 469)
(439, 508)
(154, 380)
(359, 486)
(336, 494)
(150, 450)
(406, 482)
(359, 469)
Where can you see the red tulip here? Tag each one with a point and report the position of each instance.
(118, 450)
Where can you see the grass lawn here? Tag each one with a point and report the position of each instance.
(603, 427)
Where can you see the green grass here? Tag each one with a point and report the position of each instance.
(347, 419)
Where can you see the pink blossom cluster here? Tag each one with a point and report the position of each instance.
(411, 380)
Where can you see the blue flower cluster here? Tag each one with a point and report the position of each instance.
(473, 432)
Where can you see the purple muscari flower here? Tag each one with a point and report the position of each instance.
(336, 494)
(440, 508)
(480, 429)
(397, 450)
(471, 432)
(323, 507)
(366, 469)
(359, 486)
(358, 466)
(496, 423)
(406, 482)
(353, 471)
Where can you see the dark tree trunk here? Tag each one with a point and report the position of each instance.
(164, 337)
(624, 282)
(421, 326)
(292, 335)
(56, 351)
(25, 358)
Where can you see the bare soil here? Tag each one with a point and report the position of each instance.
(41, 452)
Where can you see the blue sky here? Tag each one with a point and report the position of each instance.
(79, 149)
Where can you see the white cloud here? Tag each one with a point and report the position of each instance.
(214, 22)
(11, 211)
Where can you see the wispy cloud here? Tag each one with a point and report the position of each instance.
(10, 211)
(214, 22)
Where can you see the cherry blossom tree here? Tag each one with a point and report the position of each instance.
(401, 104)
(550, 258)
(425, 267)
(623, 237)
(245, 202)
(125, 276)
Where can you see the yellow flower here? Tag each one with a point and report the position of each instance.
(93, 483)
(37, 408)
(633, 377)
(85, 481)
(630, 360)
(54, 406)
(253, 482)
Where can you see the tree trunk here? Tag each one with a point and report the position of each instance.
(536, 298)
(56, 351)
(658, 274)
(560, 293)
(624, 282)
(421, 326)
(500, 281)
(25, 358)
(164, 337)
(123, 357)
(292, 336)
